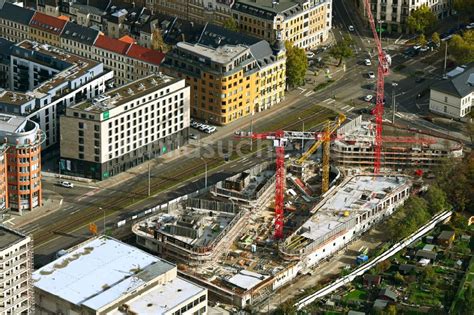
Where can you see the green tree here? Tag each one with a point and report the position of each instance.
(398, 278)
(383, 266)
(435, 38)
(421, 40)
(421, 19)
(464, 8)
(231, 24)
(296, 65)
(462, 47)
(436, 199)
(342, 50)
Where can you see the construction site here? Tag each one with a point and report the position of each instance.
(253, 232)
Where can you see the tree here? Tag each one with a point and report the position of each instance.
(399, 278)
(383, 266)
(421, 40)
(462, 47)
(296, 64)
(436, 199)
(157, 42)
(342, 50)
(435, 38)
(421, 19)
(231, 24)
(464, 8)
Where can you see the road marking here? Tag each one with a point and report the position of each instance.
(327, 100)
(345, 107)
(302, 90)
(350, 109)
(309, 93)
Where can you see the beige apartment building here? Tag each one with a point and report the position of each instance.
(393, 14)
(305, 23)
(16, 265)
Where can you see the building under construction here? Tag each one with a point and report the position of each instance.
(402, 148)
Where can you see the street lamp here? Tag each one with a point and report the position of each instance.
(205, 172)
(380, 29)
(302, 138)
(394, 85)
(103, 210)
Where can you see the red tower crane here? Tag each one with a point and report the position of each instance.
(382, 70)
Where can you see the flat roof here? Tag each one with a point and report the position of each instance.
(98, 272)
(222, 54)
(246, 279)
(11, 123)
(163, 298)
(9, 237)
(125, 93)
(14, 98)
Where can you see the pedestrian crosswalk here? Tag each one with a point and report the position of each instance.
(341, 106)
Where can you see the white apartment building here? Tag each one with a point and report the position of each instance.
(16, 265)
(125, 127)
(454, 97)
(105, 276)
(393, 14)
(44, 80)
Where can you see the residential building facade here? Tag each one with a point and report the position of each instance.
(44, 80)
(16, 266)
(125, 127)
(23, 138)
(128, 60)
(230, 75)
(454, 97)
(305, 23)
(393, 14)
(3, 178)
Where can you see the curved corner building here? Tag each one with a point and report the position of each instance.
(23, 161)
(3, 177)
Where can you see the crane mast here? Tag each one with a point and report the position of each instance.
(382, 71)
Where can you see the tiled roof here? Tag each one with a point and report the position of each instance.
(47, 23)
(145, 54)
(16, 14)
(63, 17)
(111, 44)
(127, 39)
(80, 33)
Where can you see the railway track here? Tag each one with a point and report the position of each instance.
(121, 201)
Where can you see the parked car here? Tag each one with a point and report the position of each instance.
(368, 97)
(367, 62)
(203, 127)
(210, 129)
(310, 54)
(192, 136)
(424, 48)
(470, 26)
(351, 28)
(371, 75)
(66, 184)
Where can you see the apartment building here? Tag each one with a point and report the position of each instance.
(454, 97)
(3, 178)
(128, 60)
(23, 138)
(125, 127)
(231, 75)
(392, 15)
(305, 23)
(16, 265)
(46, 29)
(14, 22)
(105, 276)
(43, 81)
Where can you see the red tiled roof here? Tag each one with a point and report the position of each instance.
(127, 39)
(47, 23)
(111, 44)
(145, 54)
(63, 17)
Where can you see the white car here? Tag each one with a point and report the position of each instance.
(310, 54)
(470, 26)
(371, 75)
(351, 28)
(203, 127)
(368, 98)
(66, 184)
(192, 136)
(367, 62)
(210, 129)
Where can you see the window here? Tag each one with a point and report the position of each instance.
(81, 125)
